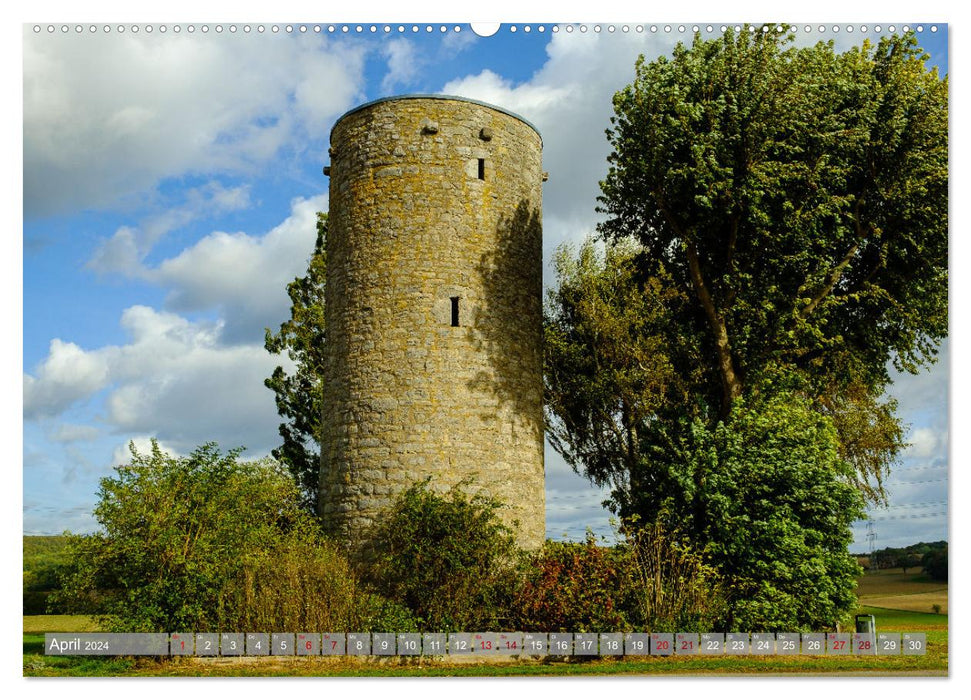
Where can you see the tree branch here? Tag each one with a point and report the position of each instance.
(831, 279)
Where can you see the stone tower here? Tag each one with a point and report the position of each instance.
(433, 310)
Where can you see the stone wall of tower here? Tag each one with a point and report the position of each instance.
(433, 310)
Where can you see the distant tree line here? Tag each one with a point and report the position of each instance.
(45, 556)
(929, 557)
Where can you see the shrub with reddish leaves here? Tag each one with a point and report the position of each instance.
(572, 587)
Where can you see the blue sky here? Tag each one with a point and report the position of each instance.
(171, 181)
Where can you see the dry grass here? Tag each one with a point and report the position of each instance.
(894, 589)
(895, 582)
(675, 590)
(38, 624)
(914, 602)
(303, 586)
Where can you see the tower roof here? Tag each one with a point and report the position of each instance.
(429, 96)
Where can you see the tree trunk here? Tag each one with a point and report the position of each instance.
(731, 384)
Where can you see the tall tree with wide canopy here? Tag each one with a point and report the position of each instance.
(796, 201)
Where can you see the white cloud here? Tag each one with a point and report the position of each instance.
(210, 394)
(124, 252)
(67, 375)
(925, 442)
(119, 254)
(243, 276)
(231, 199)
(402, 64)
(107, 117)
(454, 43)
(173, 379)
(529, 98)
(190, 381)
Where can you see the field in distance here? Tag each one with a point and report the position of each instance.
(895, 589)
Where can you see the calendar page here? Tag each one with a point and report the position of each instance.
(517, 348)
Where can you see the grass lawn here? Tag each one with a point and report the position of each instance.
(928, 665)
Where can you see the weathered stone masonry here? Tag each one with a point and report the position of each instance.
(433, 310)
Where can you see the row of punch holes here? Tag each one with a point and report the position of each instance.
(428, 28)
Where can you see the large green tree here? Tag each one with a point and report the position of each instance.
(775, 237)
(299, 393)
(796, 200)
(798, 196)
(765, 493)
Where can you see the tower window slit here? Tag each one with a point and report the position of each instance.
(455, 311)
(482, 168)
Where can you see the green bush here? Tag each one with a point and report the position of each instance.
(209, 543)
(447, 558)
(772, 512)
(375, 613)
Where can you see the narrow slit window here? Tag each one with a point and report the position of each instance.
(455, 311)
(482, 168)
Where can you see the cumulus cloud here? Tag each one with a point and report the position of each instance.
(208, 394)
(189, 381)
(109, 116)
(239, 275)
(143, 445)
(173, 379)
(243, 276)
(403, 64)
(925, 442)
(67, 375)
(124, 252)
